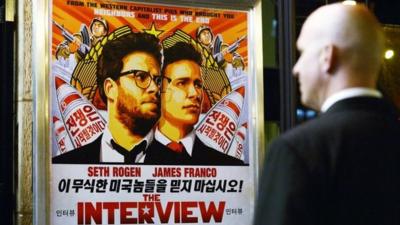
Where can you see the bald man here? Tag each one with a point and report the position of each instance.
(344, 166)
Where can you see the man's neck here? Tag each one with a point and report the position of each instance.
(343, 80)
(122, 135)
(349, 93)
(172, 131)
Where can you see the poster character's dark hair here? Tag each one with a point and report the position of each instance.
(110, 61)
(181, 51)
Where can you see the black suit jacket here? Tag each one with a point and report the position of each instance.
(159, 154)
(87, 154)
(340, 168)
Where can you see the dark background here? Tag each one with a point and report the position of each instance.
(7, 119)
(387, 12)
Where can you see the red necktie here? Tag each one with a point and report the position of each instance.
(176, 146)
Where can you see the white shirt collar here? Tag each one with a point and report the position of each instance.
(108, 154)
(349, 93)
(187, 141)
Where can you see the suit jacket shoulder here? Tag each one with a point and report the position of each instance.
(159, 154)
(342, 156)
(204, 155)
(86, 154)
(347, 122)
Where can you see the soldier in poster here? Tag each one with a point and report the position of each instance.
(181, 97)
(99, 29)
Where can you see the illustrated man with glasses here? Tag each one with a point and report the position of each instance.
(181, 98)
(128, 77)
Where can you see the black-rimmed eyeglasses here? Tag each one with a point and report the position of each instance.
(143, 78)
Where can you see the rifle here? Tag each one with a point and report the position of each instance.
(84, 46)
(230, 49)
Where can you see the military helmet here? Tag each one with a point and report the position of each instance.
(100, 20)
(237, 60)
(201, 29)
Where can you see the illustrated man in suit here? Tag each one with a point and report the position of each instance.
(342, 167)
(129, 79)
(181, 98)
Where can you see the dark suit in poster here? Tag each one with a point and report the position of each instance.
(87, 154)
(160, 154)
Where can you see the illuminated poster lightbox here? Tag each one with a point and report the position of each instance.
(149, 114)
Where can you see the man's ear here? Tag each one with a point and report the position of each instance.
(110, 89)
(328, 58)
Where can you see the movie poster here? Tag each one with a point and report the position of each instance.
(149, 114)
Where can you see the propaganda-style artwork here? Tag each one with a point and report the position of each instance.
(149, 114)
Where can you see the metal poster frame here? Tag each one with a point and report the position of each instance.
(41, 60)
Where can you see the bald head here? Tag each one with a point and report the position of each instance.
(354, 30)
(343, 44)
